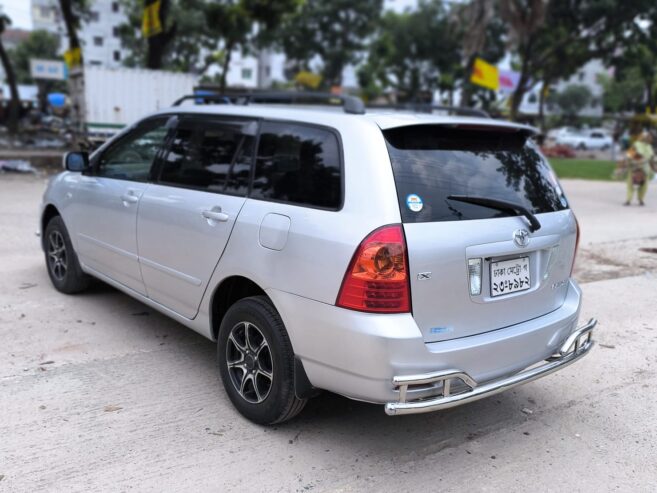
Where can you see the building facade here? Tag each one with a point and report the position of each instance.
(99, 36)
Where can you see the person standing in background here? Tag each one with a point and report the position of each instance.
(639, 162)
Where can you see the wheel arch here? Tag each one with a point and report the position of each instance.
(228, 292)
(234, 288)
(49, 212)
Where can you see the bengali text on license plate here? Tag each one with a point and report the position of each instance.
(509, 276)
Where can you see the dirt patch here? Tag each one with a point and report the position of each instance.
(613, 260)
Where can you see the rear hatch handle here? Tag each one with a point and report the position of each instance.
(501, 205)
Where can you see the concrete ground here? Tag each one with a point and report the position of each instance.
(100, 393)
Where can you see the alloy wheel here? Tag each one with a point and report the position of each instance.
(57, 258)
(250, 363)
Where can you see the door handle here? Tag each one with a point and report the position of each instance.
(215, 214)
(129, 198)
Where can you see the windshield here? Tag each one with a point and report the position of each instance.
(432, 162)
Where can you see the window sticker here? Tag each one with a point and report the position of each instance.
(414, 202)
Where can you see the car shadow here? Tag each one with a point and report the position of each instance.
(330, 420)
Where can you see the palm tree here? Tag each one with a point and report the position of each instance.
(14, 103)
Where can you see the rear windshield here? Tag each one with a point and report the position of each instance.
(432, 162)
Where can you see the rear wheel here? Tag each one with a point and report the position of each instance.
(62, 262)
(256, 362)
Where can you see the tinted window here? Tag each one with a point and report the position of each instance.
(434, 162)
(132, 156)
(298, 164)
(209, 155)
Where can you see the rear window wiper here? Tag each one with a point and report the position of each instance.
(500, 205)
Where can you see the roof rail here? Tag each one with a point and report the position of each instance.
(430, 107)
(203, 99)
(351, 104)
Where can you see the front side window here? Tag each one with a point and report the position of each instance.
(132, 156)
(210, 155)
(298, 164)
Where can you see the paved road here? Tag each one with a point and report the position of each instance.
(100, 393)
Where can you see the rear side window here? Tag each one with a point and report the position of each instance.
(209, 155)
(432, 162)
(298, 164)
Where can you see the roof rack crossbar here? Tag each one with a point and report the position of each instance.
(204, 98)
(350, 104)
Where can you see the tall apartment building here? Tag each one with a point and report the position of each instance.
(99, 35)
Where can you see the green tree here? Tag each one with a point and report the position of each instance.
(335, 31)
(550, 39)
(637, 60)
(482, 33)
(203, 33)
(43, 45)
(14, 101)
(403, 55)
(622, 94)
(573, 99)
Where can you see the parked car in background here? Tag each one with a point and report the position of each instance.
(586, 140)
(412, 260)
(555, 133)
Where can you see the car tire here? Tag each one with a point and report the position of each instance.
(581, 146)
(256, 362)
(61, 260)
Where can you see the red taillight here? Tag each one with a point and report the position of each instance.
(572, 267)
(377, 279)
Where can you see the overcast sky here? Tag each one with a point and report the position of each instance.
(19, 12)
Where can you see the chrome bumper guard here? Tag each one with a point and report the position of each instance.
(578, 344)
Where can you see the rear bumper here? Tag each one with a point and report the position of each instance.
(578, 344)
(358, 354)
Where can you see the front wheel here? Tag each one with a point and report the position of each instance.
(62, 262)
(256, 362)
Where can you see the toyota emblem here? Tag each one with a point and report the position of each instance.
(521, 237)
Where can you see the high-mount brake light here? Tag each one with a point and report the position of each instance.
(377, 279)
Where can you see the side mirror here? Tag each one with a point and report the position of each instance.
(76, 161)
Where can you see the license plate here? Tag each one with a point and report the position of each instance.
(509, 276)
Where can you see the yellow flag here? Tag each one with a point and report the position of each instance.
(73, 57)
(308, 79)
(486, 75)
(150, 24)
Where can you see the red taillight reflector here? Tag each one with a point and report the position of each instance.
(377, 279)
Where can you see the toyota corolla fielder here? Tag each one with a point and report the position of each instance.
(413, 260)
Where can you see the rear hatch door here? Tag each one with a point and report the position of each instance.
(523, 272)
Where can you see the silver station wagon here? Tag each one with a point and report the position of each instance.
(416, 260)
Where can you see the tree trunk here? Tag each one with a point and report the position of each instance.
(225, 66)
(71, 22)
(519, 93)
(466, 89)
(541, 105)
(650, 96)
(14, 102)
(158, 44)
(76, 74)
